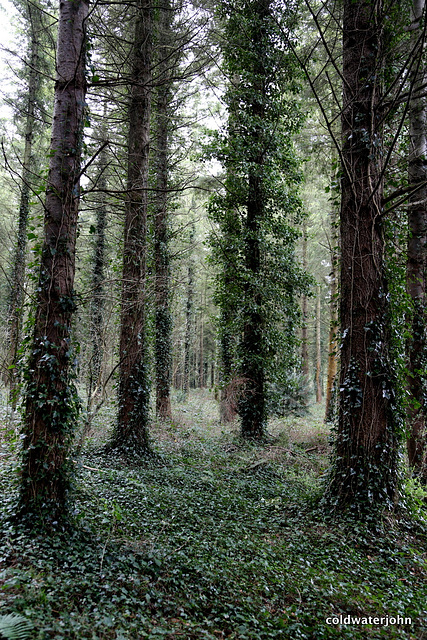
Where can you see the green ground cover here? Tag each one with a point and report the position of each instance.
(218, 539)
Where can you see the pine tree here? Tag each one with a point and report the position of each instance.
(131, 434)
(417, 248)
(258, 277)
(167, 61)
(34, 65)
(50, 397)
(366, 448)
(97, 284)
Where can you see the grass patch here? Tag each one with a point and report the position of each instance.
(225, 540)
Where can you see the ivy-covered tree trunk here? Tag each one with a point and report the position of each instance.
(131, 434)
(319, 394)
(304, 305)
(417, 255)
(201, 344)
(98, 277)
(253, 242)
(252, 405)
(189, 317)
(163, 344)
(364, 472)
(50, 400)
(333, 325)
(16, 298)
(231, 227)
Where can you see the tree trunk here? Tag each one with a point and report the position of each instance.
(201, 347)
(332, 349)
(319, 394)
(98, 276)
(50, 401)
(416, 265)
(366, 449)
(189, 320)
(304, 326)
(163, 340)
(131, 434)
(16, 299)
(252, 404)
(333, 326)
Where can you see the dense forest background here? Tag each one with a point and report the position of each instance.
(213, 319)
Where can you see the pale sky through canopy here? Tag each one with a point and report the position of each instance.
(7, 15)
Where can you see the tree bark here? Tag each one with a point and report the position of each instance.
(50, 398)
(98, 277)
(163, 340)
(304, 326)
(416, 265)
(131, 434)
(189, 319)
(366, 449)
(333, 325)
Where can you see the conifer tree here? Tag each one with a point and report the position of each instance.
(189, 313)
(34, 65)
(167, 63)
(50, 414)
(417, 248)
(98, 277)
(131, 434)
(366, 449)
(258, 277)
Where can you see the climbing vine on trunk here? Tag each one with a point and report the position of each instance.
(50, 400)
(254, 240)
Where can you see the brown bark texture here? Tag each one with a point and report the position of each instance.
(131, 434)
(417, 257)
(49, 408)
(365, 465)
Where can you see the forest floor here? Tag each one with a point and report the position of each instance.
(217, 540)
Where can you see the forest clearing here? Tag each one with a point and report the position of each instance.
(217, 539)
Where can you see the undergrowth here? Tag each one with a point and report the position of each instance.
(215, 539)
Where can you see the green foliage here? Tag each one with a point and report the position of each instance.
(53, 396)
(258, 278)
(15, 627)
(226, 541)
(400, 309)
